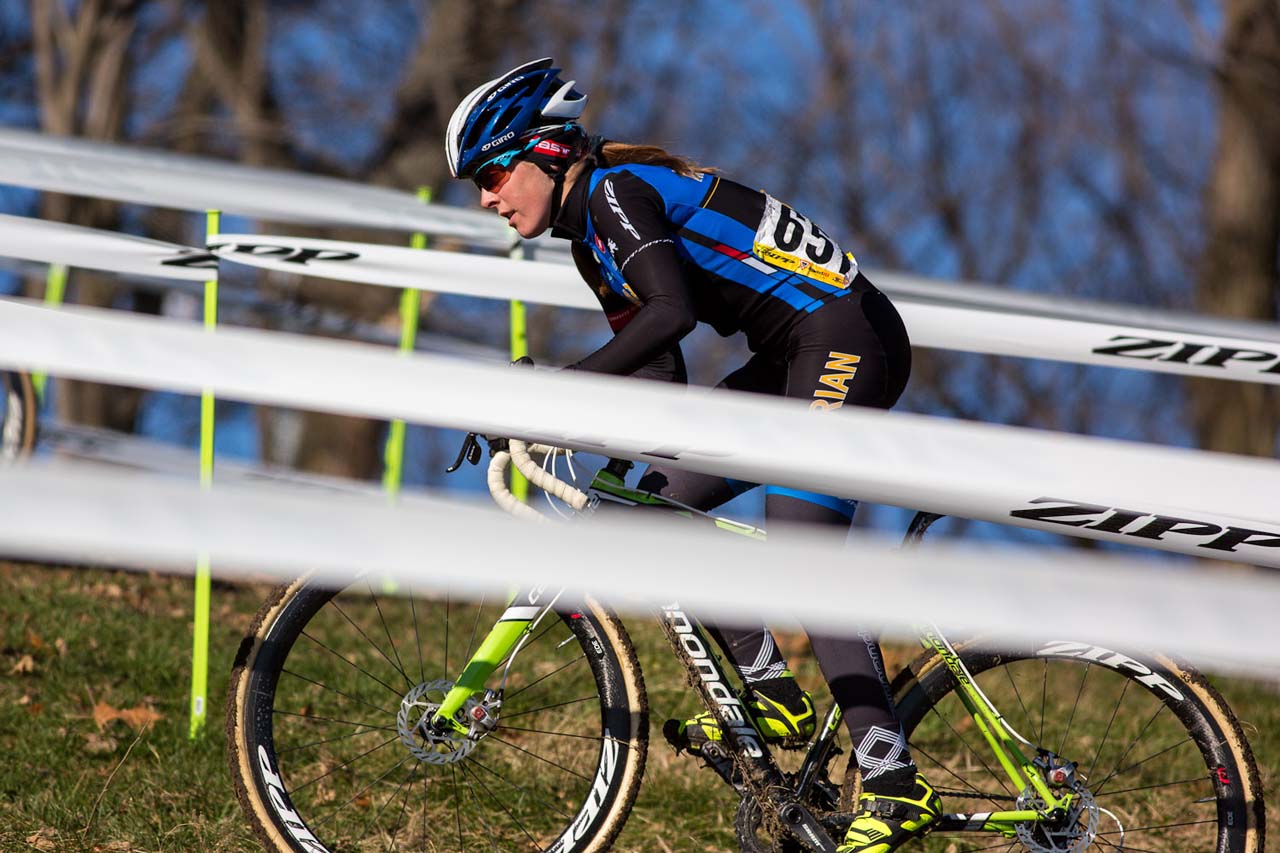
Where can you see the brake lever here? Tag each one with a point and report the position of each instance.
(470, 452)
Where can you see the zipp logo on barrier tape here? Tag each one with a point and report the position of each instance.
(1146, 525)
(288, 254)
(196, 260)
(1184, 352)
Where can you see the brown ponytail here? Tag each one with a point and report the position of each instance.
(622, 153)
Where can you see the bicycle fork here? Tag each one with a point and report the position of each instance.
(525, 610)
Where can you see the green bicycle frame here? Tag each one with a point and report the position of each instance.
(527, 606)
(1000, 737)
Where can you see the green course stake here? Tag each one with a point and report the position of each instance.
(519, 349)
(410, 301)
(200, 631)
(55, 291)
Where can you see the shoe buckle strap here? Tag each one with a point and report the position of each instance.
(892, 809)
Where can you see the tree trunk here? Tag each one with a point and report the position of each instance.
(82, 70)
(1238, 272)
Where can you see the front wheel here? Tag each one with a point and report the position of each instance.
(1161, 762)
(327, 754)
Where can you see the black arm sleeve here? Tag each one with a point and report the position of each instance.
(666, 366)
(630, 219)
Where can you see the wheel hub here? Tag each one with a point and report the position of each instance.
(446, 745)
(1077, 829)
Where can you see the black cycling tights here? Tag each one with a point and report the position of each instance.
(851, 351)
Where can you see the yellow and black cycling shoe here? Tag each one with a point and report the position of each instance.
(779, 709)
(884, 823)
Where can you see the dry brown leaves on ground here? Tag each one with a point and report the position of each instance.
(136, 718)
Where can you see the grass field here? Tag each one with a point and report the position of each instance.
(94, 673)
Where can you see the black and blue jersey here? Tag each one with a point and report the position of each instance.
(671, 251)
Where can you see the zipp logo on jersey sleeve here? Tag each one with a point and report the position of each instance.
(1146, 525)
(840, 368)
(1195, 354)
(612, 197)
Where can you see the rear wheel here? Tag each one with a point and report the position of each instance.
(17, 415)
(1161, 761)
(326, 754)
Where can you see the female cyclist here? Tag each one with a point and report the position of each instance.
(665, 244)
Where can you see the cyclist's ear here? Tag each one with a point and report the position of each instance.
(523, 361)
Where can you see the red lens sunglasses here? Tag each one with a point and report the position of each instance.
(492, 177)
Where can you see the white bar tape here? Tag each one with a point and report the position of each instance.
(1208, 504)
(90, 248)
(163, 179)
(976, 324)
(552, 485)
(1223, 620)
(496, 479)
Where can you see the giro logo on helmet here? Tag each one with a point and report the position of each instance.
(504, 87)
(506, 137)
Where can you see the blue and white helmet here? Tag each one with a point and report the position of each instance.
(505, 112)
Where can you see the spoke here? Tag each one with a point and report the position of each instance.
(358, 794)
(1097, 789)
(977, 755)
(386, 629)
(342, 693)
(314, 744)
(1127, 847)
(313, 719)
(1044, 696)
(539, 757)
(1151, 757)
(1196, 780)
(347, 764)
(1026, 714)
(498, 775)
(372, 822)
(352, 664)
(549, 707)
(555, 671)
(480, 811)
(457, 813)
(1075, 705)
(404, 806)
(475, 626)
(447, 603)
(334, 604)
(1106, 734)
(502, 806)
(960, 779)
(1136, 830)
(597, 738)
(417, 638)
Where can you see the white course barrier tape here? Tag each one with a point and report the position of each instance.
(1211, 505)
(163, 179)
(90, 248)
(991, 297)
(980, 326)
(424, 269)
(1222, 620)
